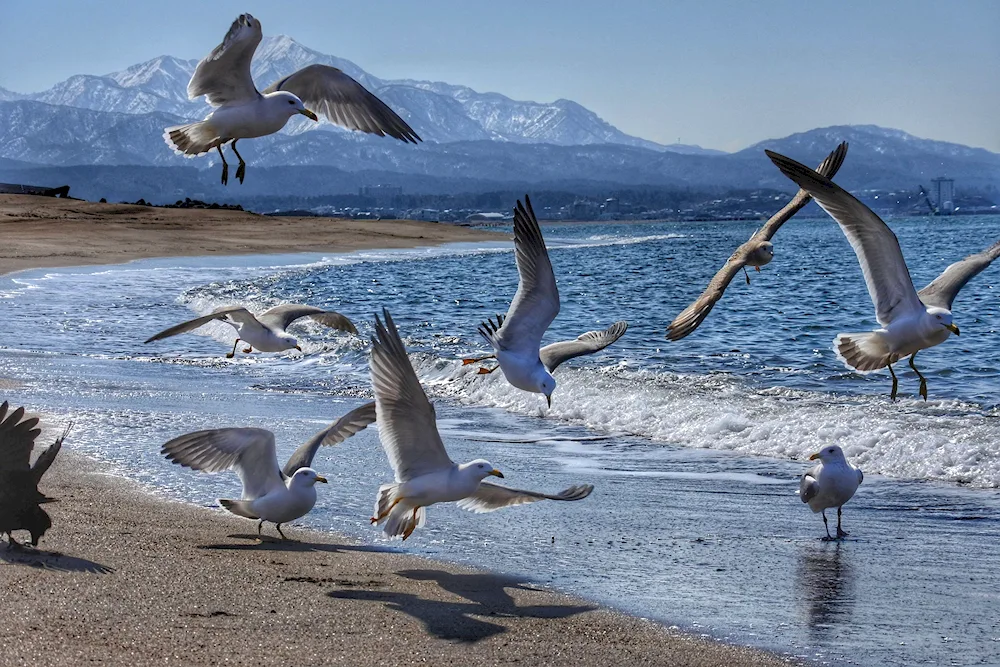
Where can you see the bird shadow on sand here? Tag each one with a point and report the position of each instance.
(486, 594)
(267, 543)
(51, 560)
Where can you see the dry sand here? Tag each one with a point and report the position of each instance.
(127, 578)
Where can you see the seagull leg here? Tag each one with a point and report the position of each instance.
(259, 526)
(923, 380)
(248, 349)
(413, 524)
(895, 383)
(11, 542)
(225, 166)
(827, 526)
(376, 519)
(746, 274)
(241, 170)
(466, 362)
(487, 371)
(840, 531)
(233, 353)
(278, 526)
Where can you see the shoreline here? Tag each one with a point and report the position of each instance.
(96, 589)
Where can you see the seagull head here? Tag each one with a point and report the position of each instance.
(942, 317)
(291, 103)
(288, 341)
(546, 385)
(481, 469)
(829, 454)
(305, 477)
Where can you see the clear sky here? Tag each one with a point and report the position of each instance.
(719, 73)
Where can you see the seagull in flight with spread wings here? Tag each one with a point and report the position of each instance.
(756, 252)
(424, 473)
(554, 354)
(910, 320)
(243, 112)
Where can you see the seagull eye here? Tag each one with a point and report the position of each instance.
(291, 101)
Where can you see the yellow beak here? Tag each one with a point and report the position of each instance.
(814, 456)
(496, 473)
(321, 479)
(309, 114)
(952, 328)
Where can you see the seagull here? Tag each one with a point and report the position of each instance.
(267, 332)
(424, 473)
(517, 340)
(20, 499)
(270, 493)
(830, 483)
(756, 252)
(910, 321)
(553, 355)
(243, 112)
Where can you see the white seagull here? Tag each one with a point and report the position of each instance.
(553, 355)
(425, 475)
(830, 483)
(910, 321)
(243, 112)
(756, 252)
(270, 493)
(266, 332)
(535, 305)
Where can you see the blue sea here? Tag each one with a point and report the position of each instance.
(695, 447)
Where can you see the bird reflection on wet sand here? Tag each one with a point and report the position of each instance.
(826, 584)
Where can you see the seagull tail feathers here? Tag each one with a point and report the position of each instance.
(192, 139)
(864, 352)
(403, 520)
(239, 507)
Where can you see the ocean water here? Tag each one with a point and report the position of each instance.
(695, 447)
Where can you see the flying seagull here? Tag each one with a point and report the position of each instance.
(266, 332)
(243, 112)
(910, 321)
(270, 493)
(20, 499)
(554, 354)
(830, 483)
(424, 473)
(756, 252)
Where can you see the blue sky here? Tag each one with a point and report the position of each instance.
(719, 73)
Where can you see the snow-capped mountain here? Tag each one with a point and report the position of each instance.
(438, 111)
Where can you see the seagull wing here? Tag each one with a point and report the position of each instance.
(943, 290)
(691, 317)
(280, 317)
(592, 341)
(886, 275)
(48, 457)
(17, 439)
(223, 76)
(236, 313)
(536, 303)
(344, 102)
(354, 421)
(407, 426)
(248, 451)
(490, 497)
(808, 485)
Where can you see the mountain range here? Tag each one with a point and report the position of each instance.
(472, 139)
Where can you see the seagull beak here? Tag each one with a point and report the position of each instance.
(548, 399)
(814, 456)
(952, 328)
(496, 473)
(298, 348)
(321, 479)
(309, 114)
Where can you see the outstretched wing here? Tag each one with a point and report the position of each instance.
(492, 497)
(407, 426)
(592, 341)
(354, 421)
(344, 102)
(536, 303)
(877, 248)
(280, 317)
(17, 439)
(223, 76)
(248, 451)
(943, 289)
(691, 317)
(238, 313)
(48, 457)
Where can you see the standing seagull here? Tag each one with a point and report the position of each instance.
(424, 473)
(554, 354)
(535, 305)
(756, 252)
(20, 498)
(830, 483)
(911, 321)
(270, 493)
(244, 113)
(267, 332)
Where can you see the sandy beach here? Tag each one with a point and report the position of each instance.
(125, 577)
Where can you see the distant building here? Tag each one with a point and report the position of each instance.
(382, 194)
(486, 217)
(943, 190)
